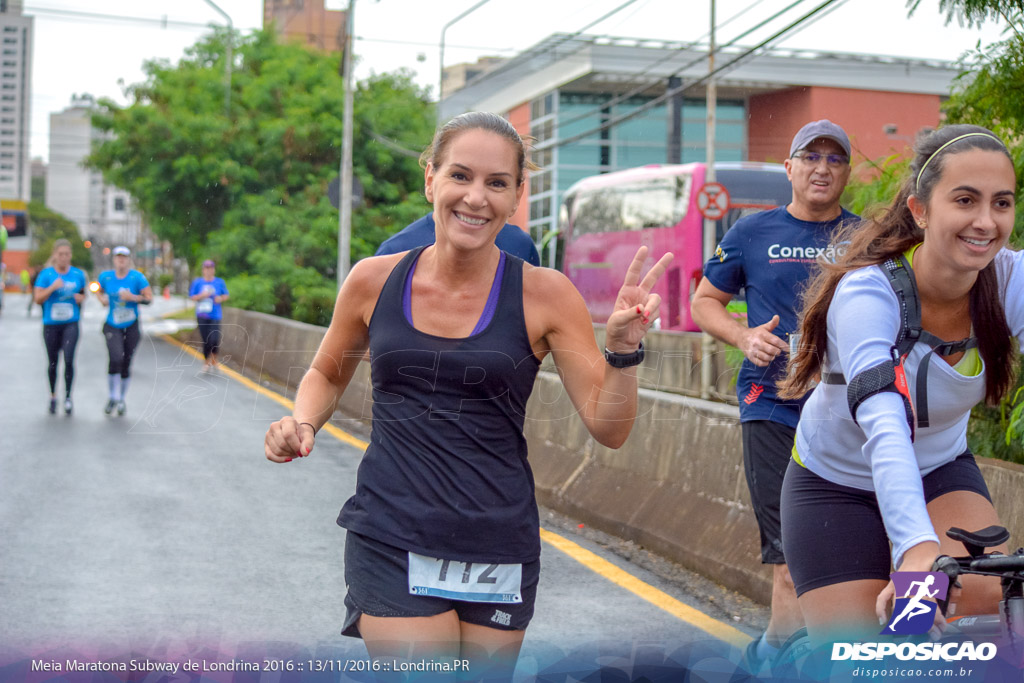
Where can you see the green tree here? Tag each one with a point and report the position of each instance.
(874, 184)
(976, 12)
(986, 92)
(47, 227)
(249, 188)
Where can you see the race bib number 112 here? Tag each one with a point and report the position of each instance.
(470, 581)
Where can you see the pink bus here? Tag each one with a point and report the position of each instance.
(605, 218)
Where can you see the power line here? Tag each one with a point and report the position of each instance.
(164, 22)
(619, 98)
(570, 36)
(426, 44)
(675, 91)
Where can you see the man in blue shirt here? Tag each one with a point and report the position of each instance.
(511, 239)
(771, 255)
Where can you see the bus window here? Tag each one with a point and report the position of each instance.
(633, 205)
(605, 218)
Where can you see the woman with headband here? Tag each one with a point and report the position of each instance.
(881, 457)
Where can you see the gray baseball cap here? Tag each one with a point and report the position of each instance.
(819, 129)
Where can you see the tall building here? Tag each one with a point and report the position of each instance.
(457, 76)
(307, 22)
(102, 212)
(15, 101)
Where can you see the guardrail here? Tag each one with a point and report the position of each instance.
(676, 487)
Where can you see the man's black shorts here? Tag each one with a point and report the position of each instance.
(767, 448)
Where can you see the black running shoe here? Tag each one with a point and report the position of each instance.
(53, 406)
(109, 408)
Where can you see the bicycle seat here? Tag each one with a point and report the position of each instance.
(977, 541)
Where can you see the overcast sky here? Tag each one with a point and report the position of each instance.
(99, 46)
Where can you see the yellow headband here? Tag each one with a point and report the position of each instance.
(959, 137)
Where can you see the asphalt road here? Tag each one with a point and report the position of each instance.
(165, 533)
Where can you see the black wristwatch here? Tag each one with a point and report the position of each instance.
(624, 360)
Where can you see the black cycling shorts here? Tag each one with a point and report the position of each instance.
(834, 533)
(377, 578)
(767, 448)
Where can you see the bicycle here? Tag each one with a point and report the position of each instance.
(1007, 626)
(1004, 629)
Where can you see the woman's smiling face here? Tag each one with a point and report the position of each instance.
(969, 216)
(475, 188)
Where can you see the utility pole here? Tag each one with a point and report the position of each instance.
(345, 180)
(707, 344)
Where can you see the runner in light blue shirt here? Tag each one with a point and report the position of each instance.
(122, 289)
(209, 292)
(60, 290)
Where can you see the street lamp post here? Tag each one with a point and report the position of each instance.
(440, 81)
(345, 180)
(227, 61)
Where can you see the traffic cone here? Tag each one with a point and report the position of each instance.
(167, 291)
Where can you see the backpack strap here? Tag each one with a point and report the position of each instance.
(943, 348)
(889, 375)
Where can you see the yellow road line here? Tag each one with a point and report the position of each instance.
(338, 434)
(593, 562)
(646, 591)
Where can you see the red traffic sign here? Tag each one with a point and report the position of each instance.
(713, 200)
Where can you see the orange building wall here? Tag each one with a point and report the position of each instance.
(863, 114)
(307, 22)
(773, 119)
(520, 120)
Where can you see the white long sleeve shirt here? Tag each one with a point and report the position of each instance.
(877, 454)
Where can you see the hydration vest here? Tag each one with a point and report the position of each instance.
(889, 375)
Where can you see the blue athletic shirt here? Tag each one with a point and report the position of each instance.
(122, 313)
(421, 233)
(771, 254)
(60, 307)
(207, 308)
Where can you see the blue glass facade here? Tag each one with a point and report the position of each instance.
(641, 140)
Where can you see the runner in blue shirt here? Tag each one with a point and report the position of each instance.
(209, 292)
(770, 255)
(60, 290)
(122, 289)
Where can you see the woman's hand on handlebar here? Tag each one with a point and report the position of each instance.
(919, 558)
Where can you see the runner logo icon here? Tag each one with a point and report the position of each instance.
(914, 613)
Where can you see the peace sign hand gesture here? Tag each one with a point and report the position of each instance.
(636, 308)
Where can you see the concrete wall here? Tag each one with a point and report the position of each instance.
(676, 487)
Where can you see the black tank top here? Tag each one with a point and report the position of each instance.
(446, 474)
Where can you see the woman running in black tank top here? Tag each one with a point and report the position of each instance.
(457, 330)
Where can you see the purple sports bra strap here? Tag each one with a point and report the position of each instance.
(489, 308)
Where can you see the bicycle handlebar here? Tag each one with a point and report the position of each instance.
(998, 563)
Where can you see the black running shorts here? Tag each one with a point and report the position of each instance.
(834, 533)
(376, 575)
